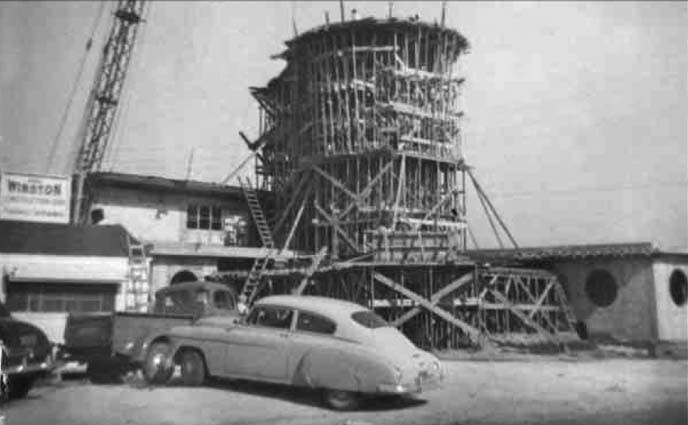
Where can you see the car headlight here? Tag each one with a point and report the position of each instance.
(435, 366)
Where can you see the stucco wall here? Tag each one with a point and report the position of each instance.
(161, 216)
(631, 317)
(672, 320)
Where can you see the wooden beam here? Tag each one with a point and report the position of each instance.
(317, 259)
(470, 330)
(453, 286)
(367, 190)
(542, 298)
(293, 199)
(337, 228)
(295, 225)
(526, 320)
(334, 181)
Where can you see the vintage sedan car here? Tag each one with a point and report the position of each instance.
(339, 347)
(25, 355)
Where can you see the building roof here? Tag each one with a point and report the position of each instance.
(23, 237)
(571, 252)
(137, 181)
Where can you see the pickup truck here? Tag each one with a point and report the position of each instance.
(25, 355)
(109, 343)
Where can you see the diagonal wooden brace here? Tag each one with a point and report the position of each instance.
(436, 297)
(470, 330)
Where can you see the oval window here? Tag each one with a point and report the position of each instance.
(678, 287)
(601, 288)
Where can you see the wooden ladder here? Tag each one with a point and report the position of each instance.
(253, 281)
(257, 213)
(137, 296)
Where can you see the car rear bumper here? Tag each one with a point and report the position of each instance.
(415, 387)
(29, 368)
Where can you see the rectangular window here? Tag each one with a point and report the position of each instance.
(55, 297)
(204, 217)
(216, 223)
(192, 217)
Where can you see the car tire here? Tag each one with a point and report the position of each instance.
(193, 368)
(18, 386)
(157, 368)
(341, 400)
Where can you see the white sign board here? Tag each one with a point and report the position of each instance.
(34, 197)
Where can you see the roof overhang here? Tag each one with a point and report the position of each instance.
(175, 249)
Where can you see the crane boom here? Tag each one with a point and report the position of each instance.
(104, 98)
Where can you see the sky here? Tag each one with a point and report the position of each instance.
(575, 112)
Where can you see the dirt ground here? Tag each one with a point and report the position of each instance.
(546, 391)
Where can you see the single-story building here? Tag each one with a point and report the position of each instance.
(635, 293)
(50, 269)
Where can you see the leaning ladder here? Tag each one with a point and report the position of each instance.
(137, 296)
(257, 213)
(253, 281)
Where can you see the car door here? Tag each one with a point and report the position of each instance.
(258, 350)
(311, 330)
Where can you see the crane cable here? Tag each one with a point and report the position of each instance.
(75, 85)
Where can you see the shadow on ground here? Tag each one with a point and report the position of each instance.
(299, 395)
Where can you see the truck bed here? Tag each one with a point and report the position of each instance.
(100, 334)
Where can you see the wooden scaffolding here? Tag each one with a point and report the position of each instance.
(360, 144)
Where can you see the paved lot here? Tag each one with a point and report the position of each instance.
(618, 391)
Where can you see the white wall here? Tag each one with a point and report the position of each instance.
(672, 320)
(631, 317)
(159, 216)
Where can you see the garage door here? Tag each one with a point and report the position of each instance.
(60, 297)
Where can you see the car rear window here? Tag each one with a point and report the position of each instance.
(314, 323)
(369, 319)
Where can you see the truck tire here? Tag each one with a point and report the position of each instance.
(18, 386)
(193, 368)
(158, 367)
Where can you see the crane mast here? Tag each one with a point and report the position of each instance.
(104, 99)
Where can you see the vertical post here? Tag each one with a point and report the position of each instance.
(341, 10)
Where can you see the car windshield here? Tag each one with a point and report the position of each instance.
(369, 319)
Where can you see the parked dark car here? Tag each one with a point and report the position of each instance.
(109, 343)
(26, 354)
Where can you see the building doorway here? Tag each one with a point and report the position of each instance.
(183, 276)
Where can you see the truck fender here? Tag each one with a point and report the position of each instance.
(339, 369)
(140, 350)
